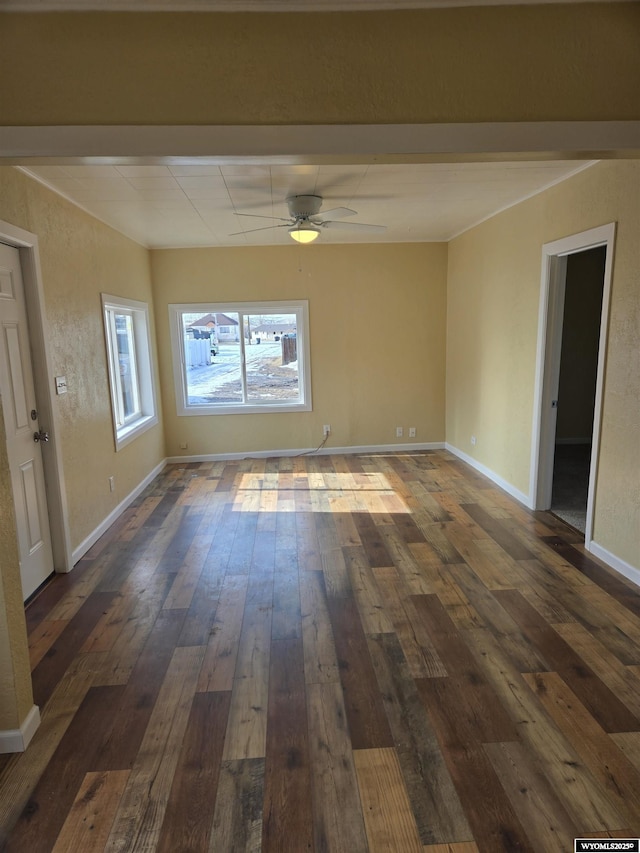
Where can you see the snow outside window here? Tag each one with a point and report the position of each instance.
(261, 363)
(126, 324)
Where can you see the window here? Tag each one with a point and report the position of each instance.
(260, 361)
(126, 324)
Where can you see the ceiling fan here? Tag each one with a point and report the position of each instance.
(305, 221)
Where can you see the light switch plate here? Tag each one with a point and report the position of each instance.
(61, 384)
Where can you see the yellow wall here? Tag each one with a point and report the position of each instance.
(493, 293)
(499, 63)
(377, 328)
(80, 258)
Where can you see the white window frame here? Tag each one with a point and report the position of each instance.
(298, 307)
(126, 429)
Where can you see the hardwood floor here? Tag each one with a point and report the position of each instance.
(335, 653)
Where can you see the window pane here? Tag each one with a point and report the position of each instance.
(127, 365)
(212, 359)
(242, 357)
(271, 358)
(126, 325)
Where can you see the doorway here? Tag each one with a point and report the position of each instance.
(24, 436)
(574, 310)
(584, 286)
(24, 245)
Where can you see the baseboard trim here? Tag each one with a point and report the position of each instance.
(17, 740)
(106, 523)
(621, 566)
(325, 451)
(507, 487)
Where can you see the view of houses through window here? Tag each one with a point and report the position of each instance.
(247, 357)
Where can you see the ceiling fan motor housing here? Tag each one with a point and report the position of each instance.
(304, 206)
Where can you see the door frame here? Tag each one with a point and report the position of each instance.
(551, 315)
(43, 375)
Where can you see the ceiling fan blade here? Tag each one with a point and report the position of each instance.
(353, 226)
(251, 230)
(338, 212)
(259, 216)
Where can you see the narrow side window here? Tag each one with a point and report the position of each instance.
(126, 324)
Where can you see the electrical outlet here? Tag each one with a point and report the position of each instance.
(112, 484)
(326, 430)
(473, 439)
(412, 432)
(183, 445)
(399, 432)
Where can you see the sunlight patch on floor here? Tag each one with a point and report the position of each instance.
(317, 492)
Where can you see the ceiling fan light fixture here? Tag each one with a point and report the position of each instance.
(304, 232)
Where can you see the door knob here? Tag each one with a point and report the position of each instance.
(41, 435)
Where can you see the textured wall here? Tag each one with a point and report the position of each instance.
(377, 318)
(493, 292)
(492, 310)
(81, 258)
(500, 63)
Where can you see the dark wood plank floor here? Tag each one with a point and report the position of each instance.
(336, 653)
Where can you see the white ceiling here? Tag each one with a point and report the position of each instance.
(196, 205)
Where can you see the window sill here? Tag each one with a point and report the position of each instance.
(265, 409)
(127, 434)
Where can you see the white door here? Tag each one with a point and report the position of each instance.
(21, 426)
